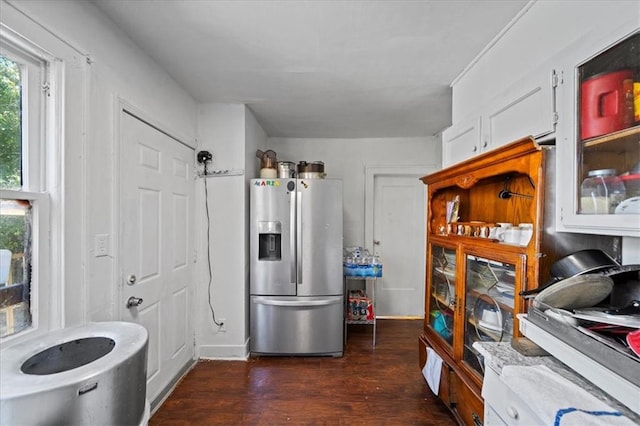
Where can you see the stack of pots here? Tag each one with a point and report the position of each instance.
(286, 169)
(311, 170)
(271, 168)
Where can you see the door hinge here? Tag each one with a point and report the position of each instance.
(555, 79)
(46, 88)
(555, 117)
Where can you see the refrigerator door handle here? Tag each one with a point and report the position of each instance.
(292, 236)
(275, 302)
(299, 253)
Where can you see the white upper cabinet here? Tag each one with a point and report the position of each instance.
(461, 141)
(526, 108)
(599, 143)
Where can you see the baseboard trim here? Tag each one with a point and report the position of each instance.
(224, 352)
(400, 317)
(164, 394)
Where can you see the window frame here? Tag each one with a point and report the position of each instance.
(41, 171)
(40, 292)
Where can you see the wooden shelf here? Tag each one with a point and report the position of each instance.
(445, 303)
(347, 279)
(612, 137)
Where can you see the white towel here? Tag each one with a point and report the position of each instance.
(432, 370)
(557, 401)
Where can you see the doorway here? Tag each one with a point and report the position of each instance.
(156, 245)
(395, 230)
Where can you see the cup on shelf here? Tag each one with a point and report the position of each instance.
(526, 232)
(497, 232)
(511, 236)
(494, 231)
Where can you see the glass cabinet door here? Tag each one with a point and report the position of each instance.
(489, 305)
(598, 165)
(442, 294)
(609, 128)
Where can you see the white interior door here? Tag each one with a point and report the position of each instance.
(156, 234)
(399, 238)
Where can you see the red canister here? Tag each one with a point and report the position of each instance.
(602, 104)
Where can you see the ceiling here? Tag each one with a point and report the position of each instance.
(319, 69)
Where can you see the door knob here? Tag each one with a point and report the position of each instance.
(131, 279)
(134, 301)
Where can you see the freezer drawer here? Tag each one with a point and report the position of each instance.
(297, 325)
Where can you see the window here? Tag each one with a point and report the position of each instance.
(23, 200)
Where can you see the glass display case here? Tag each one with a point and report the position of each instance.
(609, 124)
(442, 297)
(484, 245)
(602, 126)
(489, 305)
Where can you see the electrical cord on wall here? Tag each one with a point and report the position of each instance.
(203, 158)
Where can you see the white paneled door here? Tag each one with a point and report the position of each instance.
(157, 249)
(399, 238)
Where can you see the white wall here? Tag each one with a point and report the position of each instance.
(117, 69)
(256, 138)
(232, 134)
(346, 159)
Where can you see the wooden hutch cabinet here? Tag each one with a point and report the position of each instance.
(475, 268)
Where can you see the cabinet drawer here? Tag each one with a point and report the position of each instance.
(468, 406)
(505, 404)
(444, 391)
(491, 418)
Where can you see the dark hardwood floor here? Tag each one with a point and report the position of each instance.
(365, 387)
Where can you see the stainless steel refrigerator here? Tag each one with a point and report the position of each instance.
(296, 287)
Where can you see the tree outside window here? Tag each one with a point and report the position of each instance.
(15, 215)
(10, 125)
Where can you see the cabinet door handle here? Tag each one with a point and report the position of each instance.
(475, 148)
(485, 144)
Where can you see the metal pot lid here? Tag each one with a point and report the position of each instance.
(602, 172)
(582, 262)
(580, 291)
(314, 166)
